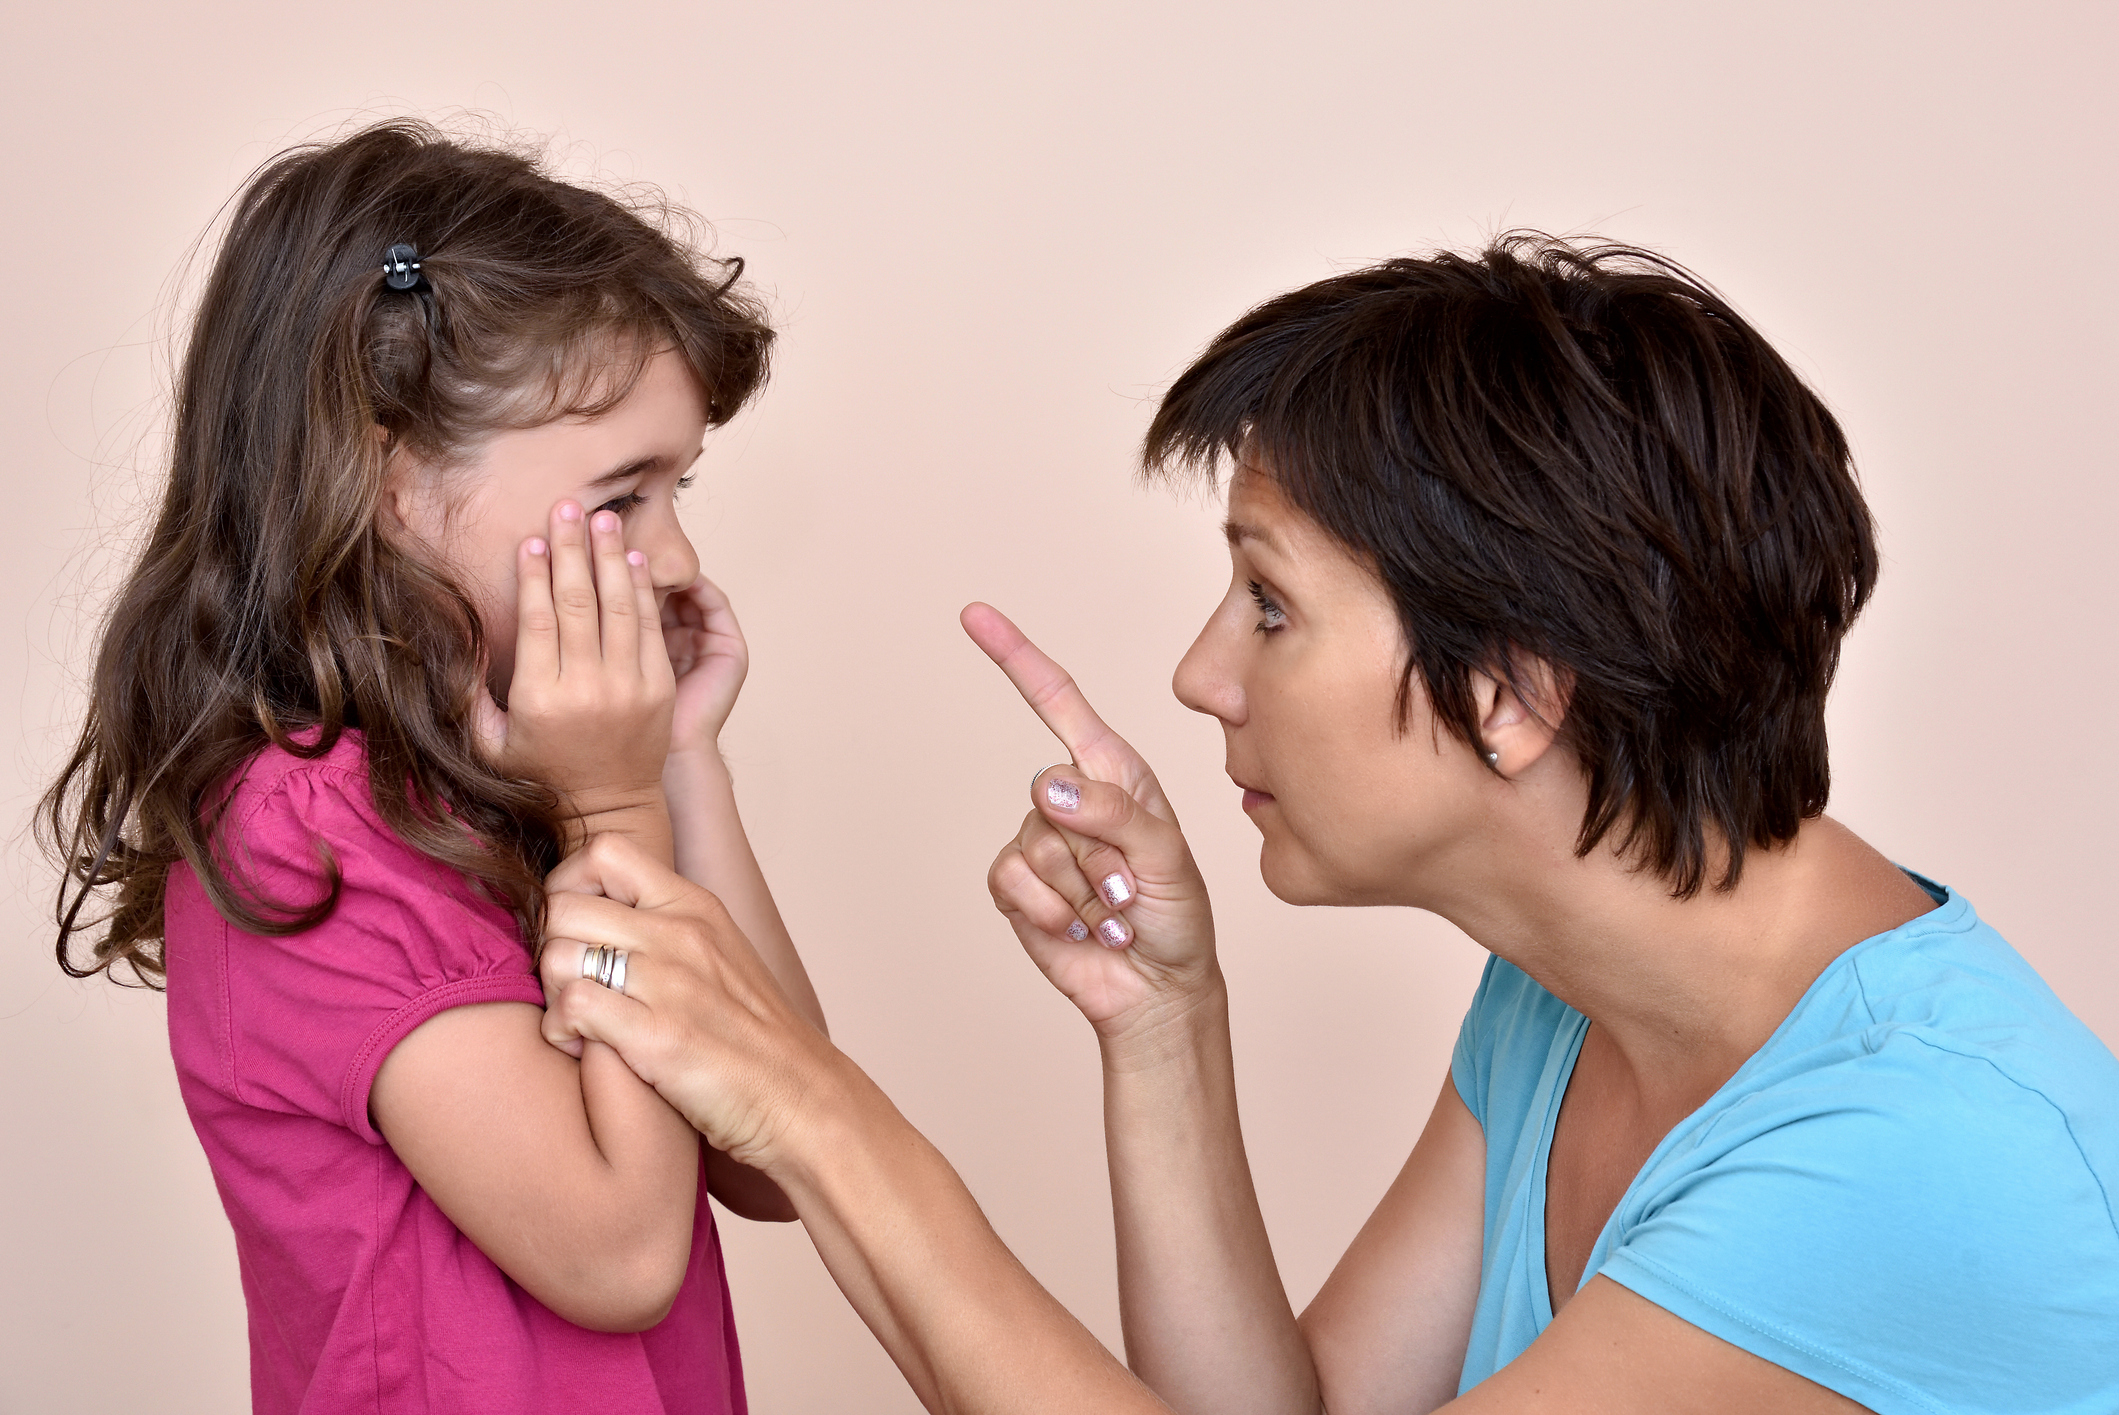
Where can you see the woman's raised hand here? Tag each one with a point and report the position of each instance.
(1098, 884)
(590, 702)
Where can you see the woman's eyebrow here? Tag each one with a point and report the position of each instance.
(1243, 530)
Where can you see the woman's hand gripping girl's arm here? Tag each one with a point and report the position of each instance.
(572, 1175)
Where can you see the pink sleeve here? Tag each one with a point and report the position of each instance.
(310, 1016)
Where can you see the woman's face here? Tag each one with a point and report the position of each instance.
(627, 463)
(1301, 663)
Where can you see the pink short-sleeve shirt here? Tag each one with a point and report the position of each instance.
(362, 1295)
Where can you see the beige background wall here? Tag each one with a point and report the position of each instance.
(992, 234)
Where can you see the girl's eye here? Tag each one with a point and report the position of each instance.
(1270, 615)
(623, 504)
(684, 483)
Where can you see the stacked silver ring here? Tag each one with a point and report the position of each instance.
(604, 965)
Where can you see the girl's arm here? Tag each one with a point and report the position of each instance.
(574, 1177)
(710, 659)
(569, 1172)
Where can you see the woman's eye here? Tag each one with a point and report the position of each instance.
(622, 504)
(1270, 615)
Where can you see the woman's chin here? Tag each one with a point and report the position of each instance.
(1292, 876)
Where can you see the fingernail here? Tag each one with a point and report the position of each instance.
(605, 521)
(1077, 930)
(536, 545)
(1112, 932)
(1115, 890)
(634, 557)
(1063, 794)
(568, 511)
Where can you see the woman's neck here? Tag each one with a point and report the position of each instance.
(1686, 990)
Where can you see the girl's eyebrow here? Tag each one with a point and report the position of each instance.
(633, 468)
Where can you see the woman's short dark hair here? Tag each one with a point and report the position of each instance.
(1579, 452)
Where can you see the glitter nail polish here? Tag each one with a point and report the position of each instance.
(1112, 932)
(1116, 892)
(1077, 930)
(1064, 795)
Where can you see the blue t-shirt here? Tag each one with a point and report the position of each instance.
(1906, 1195)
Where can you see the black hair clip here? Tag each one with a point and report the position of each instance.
(401, 268)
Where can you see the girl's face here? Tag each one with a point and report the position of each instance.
(628, 462)
(1301, 664)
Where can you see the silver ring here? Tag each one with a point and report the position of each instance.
(591, 960)
(617, 982)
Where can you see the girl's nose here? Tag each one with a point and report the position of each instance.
(672, 562)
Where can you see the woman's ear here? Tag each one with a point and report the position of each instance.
(1519, 713)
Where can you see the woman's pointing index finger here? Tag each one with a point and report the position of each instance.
(1054, 697)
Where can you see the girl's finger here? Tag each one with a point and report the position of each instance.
(574, 590)
(536, 621)
(654, 650)
(618, 607)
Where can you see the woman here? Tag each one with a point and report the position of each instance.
(1542, 562)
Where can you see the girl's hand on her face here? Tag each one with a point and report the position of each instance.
(590, 703)
(1099, 883)
(709, 658)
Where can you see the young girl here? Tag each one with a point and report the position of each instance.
(416, 618)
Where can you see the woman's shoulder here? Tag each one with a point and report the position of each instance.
(1942, 1019)
(1921, 1162)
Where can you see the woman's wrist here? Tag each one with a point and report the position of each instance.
(1171, 1030)
(843, 1126)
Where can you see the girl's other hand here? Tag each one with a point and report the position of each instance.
(590, 704)
(1099, 883)
(709, 659)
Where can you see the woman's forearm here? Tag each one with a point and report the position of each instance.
(972, 1331)
(713, 852)
(1207, 1322)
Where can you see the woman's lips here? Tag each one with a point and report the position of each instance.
(1252, 800)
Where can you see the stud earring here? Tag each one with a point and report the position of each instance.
(1493, 759)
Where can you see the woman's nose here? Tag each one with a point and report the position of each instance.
(1203, 681)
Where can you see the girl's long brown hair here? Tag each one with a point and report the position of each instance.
(267, 601)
